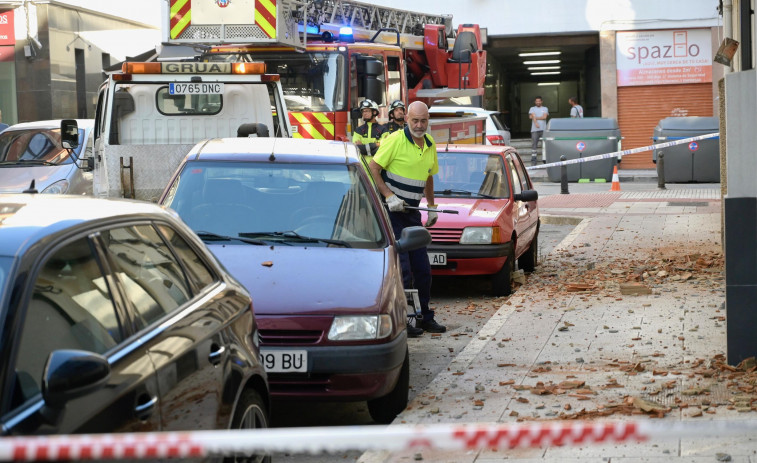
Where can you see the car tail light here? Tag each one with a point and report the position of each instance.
(496, 139)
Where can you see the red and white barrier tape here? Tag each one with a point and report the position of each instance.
(338, 439)
(624, 152)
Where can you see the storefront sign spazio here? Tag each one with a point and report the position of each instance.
(660, 57)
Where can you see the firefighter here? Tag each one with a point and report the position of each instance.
(396, 117)
(367, 137)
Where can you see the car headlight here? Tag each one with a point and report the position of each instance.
(477, 235)
(361, 327)
(58, 188)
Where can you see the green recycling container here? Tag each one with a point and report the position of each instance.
(580, 138)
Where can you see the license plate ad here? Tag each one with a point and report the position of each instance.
(285, 361)
(437, 258)
(195, 88)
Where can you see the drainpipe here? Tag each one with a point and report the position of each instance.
(728, 25)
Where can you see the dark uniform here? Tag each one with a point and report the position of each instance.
(370, 132)
(393, 126)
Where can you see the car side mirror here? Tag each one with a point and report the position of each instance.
(69, 134)
(413, 238)
(88, 164)
(527, 195)
(70, 374)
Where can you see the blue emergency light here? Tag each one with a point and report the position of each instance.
(345, 34)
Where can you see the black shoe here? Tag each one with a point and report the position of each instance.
(432, 327)
(413, 332)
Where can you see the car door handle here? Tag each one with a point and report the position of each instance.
(144, 410)
(215, 354)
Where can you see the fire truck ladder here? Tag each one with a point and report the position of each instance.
(370, 17)
(291, 20)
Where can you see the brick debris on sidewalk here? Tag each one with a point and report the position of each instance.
(625, 318)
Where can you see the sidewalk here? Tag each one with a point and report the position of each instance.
(625, 319)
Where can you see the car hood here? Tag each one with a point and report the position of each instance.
(307, 280)
(15, 179)
(471, 212)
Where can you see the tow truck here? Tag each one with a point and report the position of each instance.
(150, 114)
(332, 54)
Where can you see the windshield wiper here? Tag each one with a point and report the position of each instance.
(454, 192)
(210, 236)
(293, 234)
(463, 193)
(30, 161)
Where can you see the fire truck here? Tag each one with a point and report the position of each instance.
(332, 54)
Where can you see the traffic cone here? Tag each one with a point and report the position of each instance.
(615, 180)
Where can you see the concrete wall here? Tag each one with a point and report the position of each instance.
(741, 112)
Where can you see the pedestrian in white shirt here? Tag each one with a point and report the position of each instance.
(577, 110)
(538, 115)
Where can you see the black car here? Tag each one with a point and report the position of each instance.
(114, 317)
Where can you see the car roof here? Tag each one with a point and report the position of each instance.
(28, 218)
(283, 150)
(454, 109)
(470, 148)
(49, 124)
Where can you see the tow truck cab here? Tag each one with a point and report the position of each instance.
(150, 115)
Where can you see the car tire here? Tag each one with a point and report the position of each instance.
(251, 413)
(528, 260)
(502, 283)
(385, 409)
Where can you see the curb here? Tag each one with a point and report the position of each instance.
(559, 219)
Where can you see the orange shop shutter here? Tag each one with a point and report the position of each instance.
(640, 108)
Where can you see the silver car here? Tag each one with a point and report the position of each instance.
(31, 151)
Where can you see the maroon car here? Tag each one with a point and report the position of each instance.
(301, 225)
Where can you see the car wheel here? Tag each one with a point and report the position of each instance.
(251, 413)
(528, 260)
(384, 409)
(502, 284)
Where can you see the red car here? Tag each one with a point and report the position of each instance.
(497, 220)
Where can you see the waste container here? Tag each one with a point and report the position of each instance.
(698, 161)
(580, 138)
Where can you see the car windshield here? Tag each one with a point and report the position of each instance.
(471, 174)
(35, 146)
(310, 81)
(288, 204)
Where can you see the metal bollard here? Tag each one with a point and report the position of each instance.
(563, 178)
(661, 171)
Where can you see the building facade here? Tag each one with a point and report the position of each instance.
(52, 57)
(637, 61)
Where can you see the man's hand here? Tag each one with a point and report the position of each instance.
(395, 204)
(432, 216)
(357, 142)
